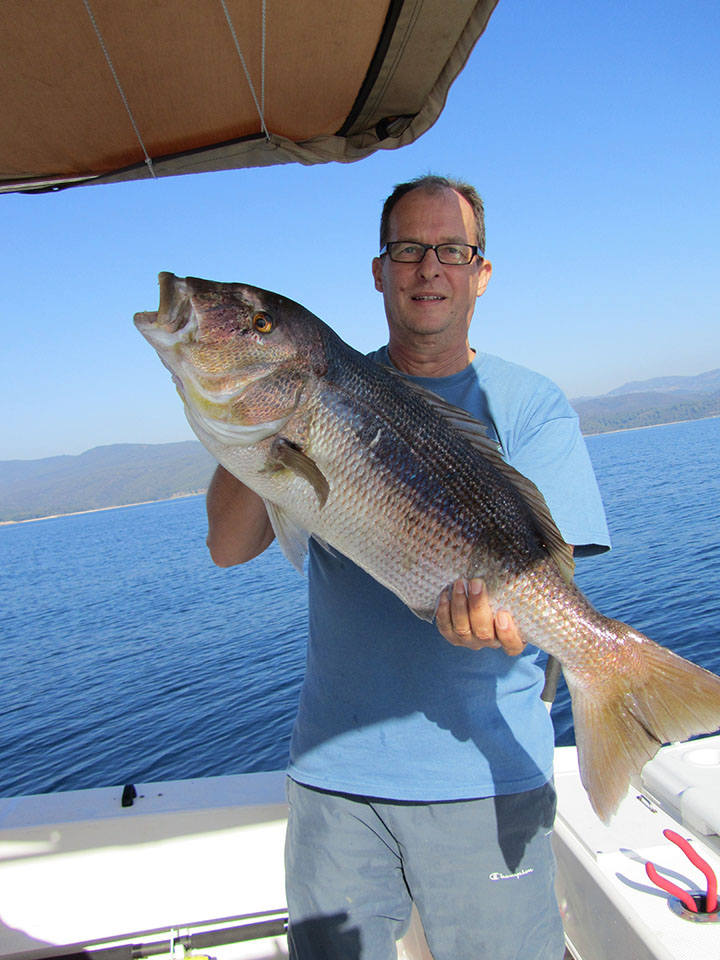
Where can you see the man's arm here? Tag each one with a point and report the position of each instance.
(238, 525)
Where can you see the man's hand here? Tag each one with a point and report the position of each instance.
(465, 618)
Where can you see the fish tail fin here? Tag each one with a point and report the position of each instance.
(657, 698)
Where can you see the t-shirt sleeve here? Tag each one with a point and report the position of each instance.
(545, 445)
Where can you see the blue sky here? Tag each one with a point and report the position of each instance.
(590, 129)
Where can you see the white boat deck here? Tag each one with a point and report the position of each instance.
(611, 910)
(78, 868)
(195, 864)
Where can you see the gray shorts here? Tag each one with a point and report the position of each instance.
(481, 873)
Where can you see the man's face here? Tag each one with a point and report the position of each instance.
(430, 298)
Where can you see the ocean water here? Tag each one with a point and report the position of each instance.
(127, 656)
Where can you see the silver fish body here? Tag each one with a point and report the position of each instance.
(411, 490)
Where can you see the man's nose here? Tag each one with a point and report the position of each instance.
(429, 266)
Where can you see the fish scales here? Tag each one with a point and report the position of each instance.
(421, 476)
(411, 490)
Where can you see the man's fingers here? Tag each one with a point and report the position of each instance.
(444, 619)
(460, 610)
(480, 613)
(465, 618)
(507, 634)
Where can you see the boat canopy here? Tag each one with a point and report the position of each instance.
(99, 91)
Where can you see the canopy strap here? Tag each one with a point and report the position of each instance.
(104, 49)
(259, 104)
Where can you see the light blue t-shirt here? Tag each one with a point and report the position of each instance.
(388, 707)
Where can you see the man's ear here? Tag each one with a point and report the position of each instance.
(484, 274)
(377, 266)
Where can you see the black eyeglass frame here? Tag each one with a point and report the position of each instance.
(476, 251)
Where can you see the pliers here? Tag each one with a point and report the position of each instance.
(686, 898)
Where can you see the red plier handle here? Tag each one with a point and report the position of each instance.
(697, 861)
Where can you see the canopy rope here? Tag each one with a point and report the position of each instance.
(259, 104)
(104, 49)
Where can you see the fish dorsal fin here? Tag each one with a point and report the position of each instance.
(459, 419)
(476, 434)
(291, 537)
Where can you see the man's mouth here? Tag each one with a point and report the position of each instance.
(428, 296)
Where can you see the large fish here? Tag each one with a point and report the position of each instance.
(411, 490)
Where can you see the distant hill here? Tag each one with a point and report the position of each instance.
(702, 383)
(102, 477)
(135, 472)
(644, 403)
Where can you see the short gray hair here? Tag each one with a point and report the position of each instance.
(435, 184)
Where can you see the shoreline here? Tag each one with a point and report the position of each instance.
(115, 506)
(649, 426)
(182, 496)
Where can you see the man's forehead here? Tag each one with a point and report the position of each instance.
(420, 208)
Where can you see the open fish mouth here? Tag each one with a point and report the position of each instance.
(175, 313)
(175, 310)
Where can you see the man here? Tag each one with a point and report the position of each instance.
(421, 758)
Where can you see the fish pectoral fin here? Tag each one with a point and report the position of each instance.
(292, 538)
(657, 698)
(286, 454)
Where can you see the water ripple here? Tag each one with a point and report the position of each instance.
(128, 656)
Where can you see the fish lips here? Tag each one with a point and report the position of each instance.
(144, 319)
(174, 312)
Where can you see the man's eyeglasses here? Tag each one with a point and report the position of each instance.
(408, 251)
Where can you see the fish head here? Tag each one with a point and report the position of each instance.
(240, 357)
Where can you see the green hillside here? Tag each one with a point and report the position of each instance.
(102, 477)
(625, 411)
(136, 472)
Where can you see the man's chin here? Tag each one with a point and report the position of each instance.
(428, 323)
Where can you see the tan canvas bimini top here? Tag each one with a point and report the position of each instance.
(106, 90)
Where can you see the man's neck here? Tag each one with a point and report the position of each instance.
(430, 363)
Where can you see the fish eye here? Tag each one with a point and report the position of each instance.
(262, 322)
